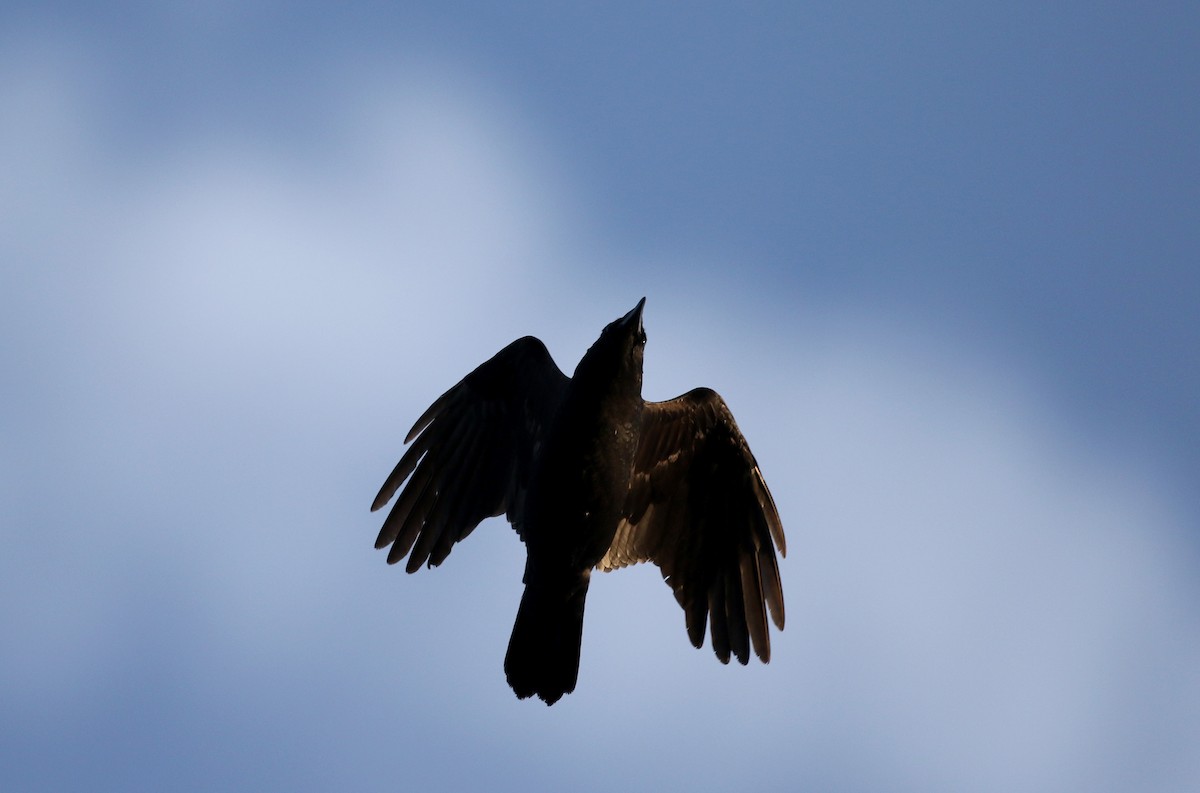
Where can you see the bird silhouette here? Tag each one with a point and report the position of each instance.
(592, 477)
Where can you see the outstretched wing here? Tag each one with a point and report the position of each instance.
(698, 508)
(472, 453)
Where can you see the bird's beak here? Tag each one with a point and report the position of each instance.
(634, 316)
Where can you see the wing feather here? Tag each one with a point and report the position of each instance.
(469, 454)
(717, 620)
(698, 507)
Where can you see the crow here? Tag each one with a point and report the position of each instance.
(592, 477)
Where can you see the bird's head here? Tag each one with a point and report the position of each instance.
(617, 354)
(630, 325)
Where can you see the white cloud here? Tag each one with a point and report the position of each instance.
(975, 570)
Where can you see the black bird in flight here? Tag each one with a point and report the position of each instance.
(592, 477)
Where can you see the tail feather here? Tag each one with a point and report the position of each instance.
(543, 653)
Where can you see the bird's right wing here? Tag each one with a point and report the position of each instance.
(471, 455)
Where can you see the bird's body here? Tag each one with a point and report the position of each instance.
(591, 476)
(576, 493)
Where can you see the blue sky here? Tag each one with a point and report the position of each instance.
(940, 261)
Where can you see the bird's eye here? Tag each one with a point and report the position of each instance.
(641, 339)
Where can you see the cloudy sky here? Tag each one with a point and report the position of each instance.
(942, 262)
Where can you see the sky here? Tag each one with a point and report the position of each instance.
(940, 260)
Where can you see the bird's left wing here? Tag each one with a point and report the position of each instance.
(698, 508)
(471, 455)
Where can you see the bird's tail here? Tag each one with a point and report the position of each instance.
(543, 653)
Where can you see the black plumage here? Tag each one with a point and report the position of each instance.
(592, 477)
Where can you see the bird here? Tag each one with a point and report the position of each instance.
(592, 477)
